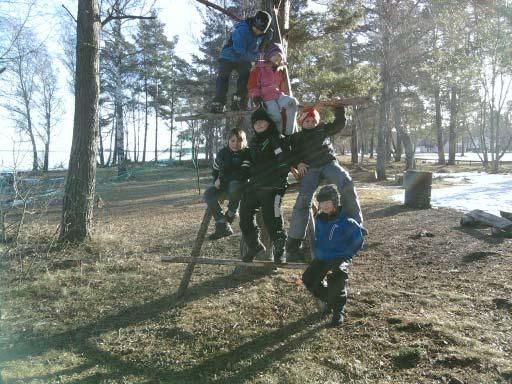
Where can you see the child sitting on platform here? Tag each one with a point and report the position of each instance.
(241, 48)
(267, 84)
(337, 239)
(316, 158)
(267, 184)
(230, 172)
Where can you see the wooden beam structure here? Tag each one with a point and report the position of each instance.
(245, 114)
(233, 262)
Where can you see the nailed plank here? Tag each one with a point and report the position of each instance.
(213, 116)
(242, 114)
(490, 219)
(235, 262)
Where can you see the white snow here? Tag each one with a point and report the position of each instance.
(490, 193)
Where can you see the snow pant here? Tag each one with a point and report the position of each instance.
(270, 203)
(243, 69)
(335, 174)
(231, 190)
(335, 293)
(291, 106)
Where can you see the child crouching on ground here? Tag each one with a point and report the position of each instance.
(267, 184)
(337, 239)
(316, 156)
(230, 173)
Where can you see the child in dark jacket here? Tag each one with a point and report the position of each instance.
(241, 48)
(230, 172)
(270, 153)
(337, 239)
(316, 158)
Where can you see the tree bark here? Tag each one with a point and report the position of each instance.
(439, 127)
(78, 199)
(452, 139)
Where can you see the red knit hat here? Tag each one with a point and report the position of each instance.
(309, 112)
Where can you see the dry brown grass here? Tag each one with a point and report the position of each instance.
(419, 311)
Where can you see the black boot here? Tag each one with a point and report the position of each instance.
(337, 316)
(222, 229)
(237, 103)
(255, 248)
(216, 107)
(294, 251)
(278, 248)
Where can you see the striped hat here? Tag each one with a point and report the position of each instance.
(309, 112)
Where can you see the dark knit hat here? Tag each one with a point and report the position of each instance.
(261, 114)
(262, 20)
(327, 193)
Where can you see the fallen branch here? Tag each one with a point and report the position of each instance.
(235, 262)
(220, 9)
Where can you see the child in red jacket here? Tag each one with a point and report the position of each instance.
(267, 84)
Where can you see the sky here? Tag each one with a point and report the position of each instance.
(181, 17)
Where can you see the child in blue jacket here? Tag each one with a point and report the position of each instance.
(337, 239)
(241, 48)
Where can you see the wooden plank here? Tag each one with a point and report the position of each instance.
(201, 234)
(213, 116)
(234, 262)
(216, 116)
(350, 101)
(490, 219)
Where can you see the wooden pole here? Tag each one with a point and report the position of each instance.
(201, 234)
(235, 262)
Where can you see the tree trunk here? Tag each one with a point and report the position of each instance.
(156, 122)
(439, 127)
(35, 160)
(145, 120)
(78, 199)
(102, 154)
(402, 133)
(383, 123)
(354, 142)
(452, 140)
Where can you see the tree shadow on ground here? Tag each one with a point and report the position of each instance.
(245, 361)
(478, 234)
(127, 317)
(388, 211)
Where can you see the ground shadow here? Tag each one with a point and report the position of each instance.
(388, 211)
(478, 234)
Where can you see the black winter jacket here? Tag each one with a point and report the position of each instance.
(270, 159)
(229, 165)
(313, 146)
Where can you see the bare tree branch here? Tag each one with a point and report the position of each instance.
(70, 14)
(220, 9)
(111, 17)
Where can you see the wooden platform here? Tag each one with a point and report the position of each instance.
(245, 114)
(233, 262)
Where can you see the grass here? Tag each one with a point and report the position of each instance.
(108, 311)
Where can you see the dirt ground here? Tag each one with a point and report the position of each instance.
(429, 301)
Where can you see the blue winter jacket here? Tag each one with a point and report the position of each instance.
(337, 238)
(242, 44)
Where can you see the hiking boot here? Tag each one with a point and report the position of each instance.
(337, 317)
(254, 251)
(294, 251)
(278, 248)
(237, 103)
(217, 107)
(222, 229)
(230, 216)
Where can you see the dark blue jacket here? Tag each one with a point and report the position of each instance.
(337, 237)
(242, 44)
(229, 165)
